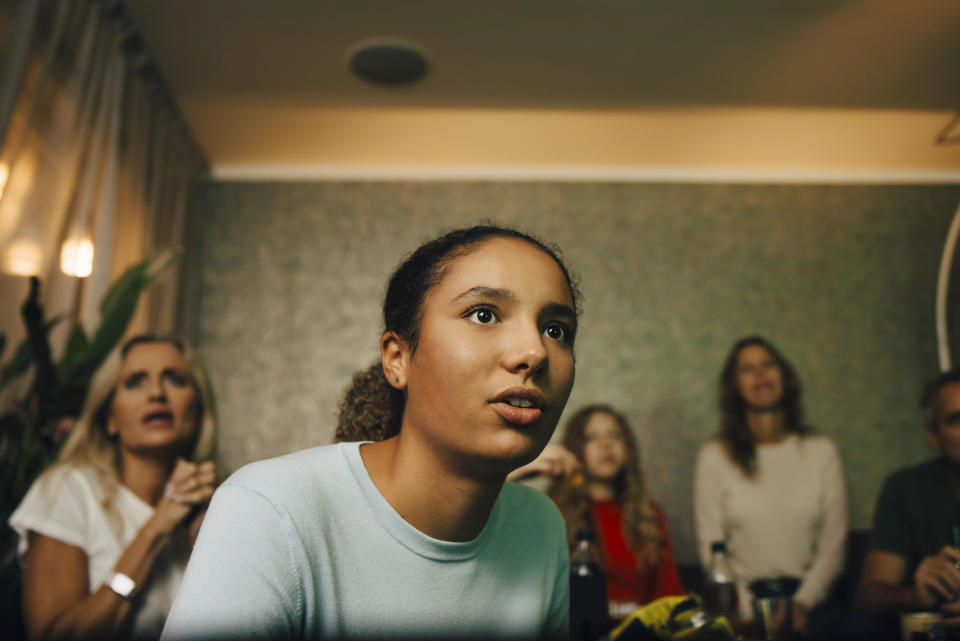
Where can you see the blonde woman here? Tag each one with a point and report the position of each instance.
(106, 531)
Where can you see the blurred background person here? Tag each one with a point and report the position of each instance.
(769, 487)
(913, 562)
(107, 530)
(608, 495)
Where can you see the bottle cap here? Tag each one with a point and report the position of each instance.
(585, 534)
(718, 546)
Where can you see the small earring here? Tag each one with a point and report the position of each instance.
(396, 379)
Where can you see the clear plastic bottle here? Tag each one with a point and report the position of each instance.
(720, 587)
(588, 590)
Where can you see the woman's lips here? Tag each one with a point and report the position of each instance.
(159, 418)
(519, 405)
(517, 415)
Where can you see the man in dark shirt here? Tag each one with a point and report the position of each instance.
(913, 563)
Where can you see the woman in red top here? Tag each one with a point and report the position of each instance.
(610, 498)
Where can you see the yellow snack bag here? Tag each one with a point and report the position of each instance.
(673, 618)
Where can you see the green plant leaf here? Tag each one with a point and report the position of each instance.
(117, 308)
(18, 364)
(77, 345)
(137, 277)
(131, 280)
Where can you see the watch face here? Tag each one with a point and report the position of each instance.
(123, 585)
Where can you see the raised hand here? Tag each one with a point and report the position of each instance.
(554, 460)
(937, 578)
(188, 489)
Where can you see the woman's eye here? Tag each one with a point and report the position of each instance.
(482, 316)
(558, 333)
(178, 379)
(133, 382)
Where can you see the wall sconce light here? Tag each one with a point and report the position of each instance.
(76, 257)
(23, 258)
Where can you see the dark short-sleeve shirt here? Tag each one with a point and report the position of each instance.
(916, 514)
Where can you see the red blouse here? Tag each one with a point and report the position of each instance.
(628, 580)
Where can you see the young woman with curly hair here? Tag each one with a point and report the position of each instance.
(106, 531)
(612, 500)
(405, 528)
(767, 485)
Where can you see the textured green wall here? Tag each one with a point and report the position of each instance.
(287, 280)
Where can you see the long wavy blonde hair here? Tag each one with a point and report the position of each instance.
(641, 527)
(89, 444)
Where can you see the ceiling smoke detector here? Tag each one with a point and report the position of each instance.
(388, 62)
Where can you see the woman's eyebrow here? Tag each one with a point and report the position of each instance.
(175, 370)
(495, 293)
(560, 309)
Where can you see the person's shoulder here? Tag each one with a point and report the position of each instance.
(528, 519)
(712, 452)
(658, 512)
(518, 494)
(58, 502)
(292, 474)
(520, 499)
(70, 477)
(817, 443)
(655, 507)
(925, 471)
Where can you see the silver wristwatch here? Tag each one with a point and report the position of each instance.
(123, 585)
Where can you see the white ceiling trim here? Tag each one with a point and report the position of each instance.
(320, 173)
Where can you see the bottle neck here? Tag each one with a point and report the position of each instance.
(720, 566)
(583, 551)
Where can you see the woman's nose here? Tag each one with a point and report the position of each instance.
(156, 390)
(526, 352)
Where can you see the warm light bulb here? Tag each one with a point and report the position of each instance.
(23, 258)
(76, 257)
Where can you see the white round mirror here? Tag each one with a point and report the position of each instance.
(948, 299)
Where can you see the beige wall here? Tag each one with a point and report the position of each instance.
(287, 279)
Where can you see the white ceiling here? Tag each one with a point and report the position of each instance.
(629, 89)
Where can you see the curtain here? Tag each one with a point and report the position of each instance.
(92, 147)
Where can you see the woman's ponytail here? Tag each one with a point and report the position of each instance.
(370, 409)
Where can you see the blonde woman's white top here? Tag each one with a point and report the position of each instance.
(67, 504)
